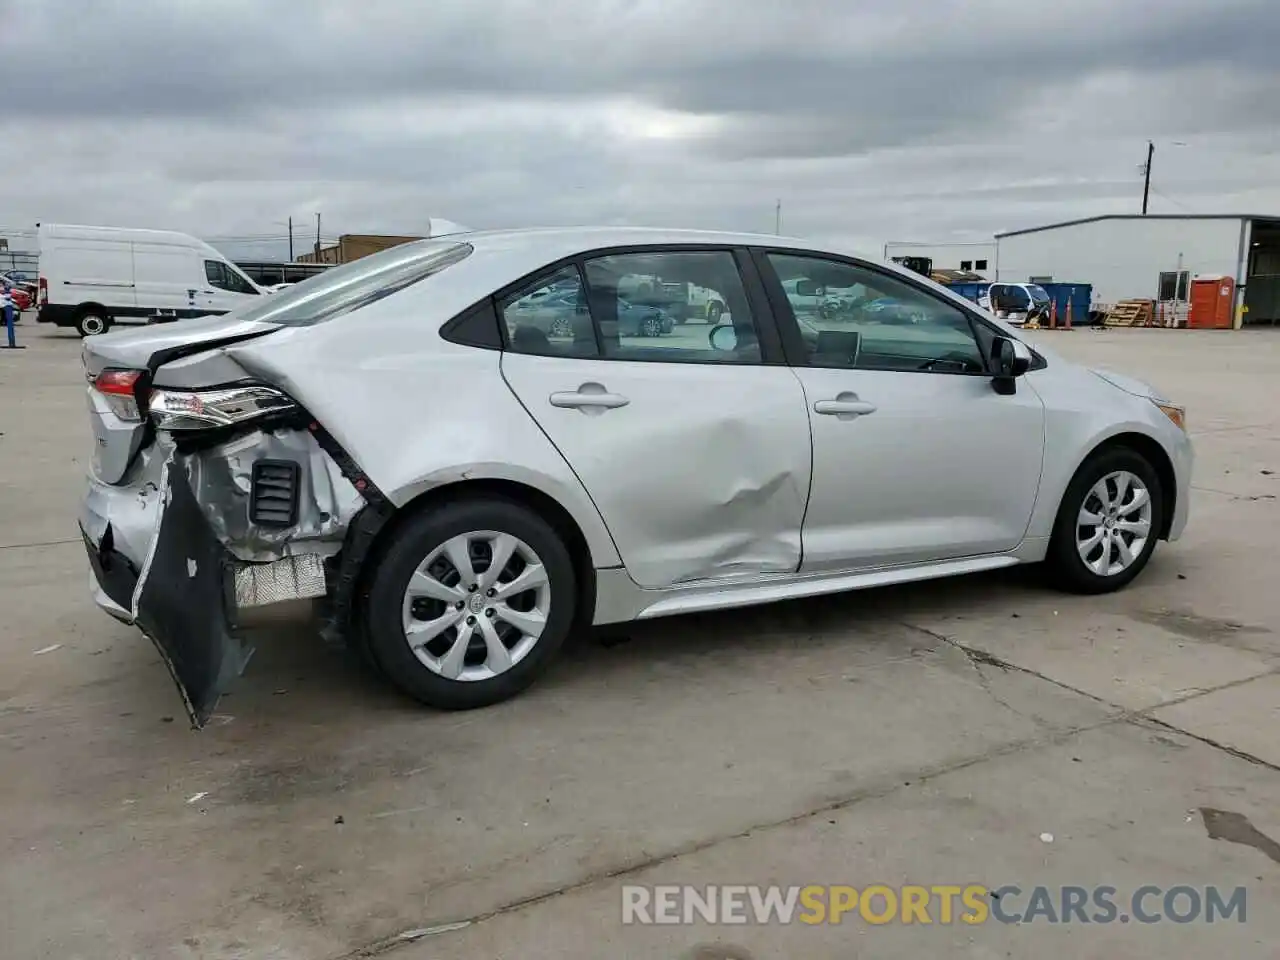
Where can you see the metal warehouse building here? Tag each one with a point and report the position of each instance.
(1154, 257)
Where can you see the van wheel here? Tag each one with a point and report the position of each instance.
(470, 603)
(92, 322)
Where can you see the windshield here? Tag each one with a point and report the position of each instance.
(358, 284)
(1038, 294)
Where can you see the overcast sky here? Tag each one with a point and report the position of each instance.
(870, 120)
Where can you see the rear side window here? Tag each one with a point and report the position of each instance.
(354, 285)
(549, 317)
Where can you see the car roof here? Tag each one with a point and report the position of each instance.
(581, 239)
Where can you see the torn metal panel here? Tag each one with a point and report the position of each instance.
(221, 479)
(291, 578)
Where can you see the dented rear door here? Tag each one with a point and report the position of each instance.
(700, 470)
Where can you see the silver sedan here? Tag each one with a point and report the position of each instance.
(460, 491)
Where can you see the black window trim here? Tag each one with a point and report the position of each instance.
(772, 353)
(789, 328)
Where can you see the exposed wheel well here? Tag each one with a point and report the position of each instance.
(1155, 455)
(540, 503)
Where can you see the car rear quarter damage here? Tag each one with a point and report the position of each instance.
(198, 532)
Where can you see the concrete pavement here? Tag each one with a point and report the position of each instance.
(928, 734)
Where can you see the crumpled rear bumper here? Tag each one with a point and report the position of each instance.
(180, 564)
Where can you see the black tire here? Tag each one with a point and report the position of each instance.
(92, 321)
(422, 534)
(1067, 570)
(651, 326)
(715, 310)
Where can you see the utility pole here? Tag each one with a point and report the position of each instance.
(318, 237)
(1146, 186)
(291, 239)
(777, 219)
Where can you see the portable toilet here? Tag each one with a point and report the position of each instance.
(1212, 300)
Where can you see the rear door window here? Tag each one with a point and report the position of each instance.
(549, 317)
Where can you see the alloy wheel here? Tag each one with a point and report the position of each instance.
(476, 606)
(1114, 523)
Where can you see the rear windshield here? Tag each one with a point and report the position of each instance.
(356, 284)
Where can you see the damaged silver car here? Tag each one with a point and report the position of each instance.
(460, 491)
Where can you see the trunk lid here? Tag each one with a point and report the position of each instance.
(117, 439)
(148, 347)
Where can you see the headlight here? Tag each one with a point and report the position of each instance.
(208, 409)
(1174, 412)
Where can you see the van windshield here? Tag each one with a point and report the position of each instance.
(1038, 294)
(354, 285)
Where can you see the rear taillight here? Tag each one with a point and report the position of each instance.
(124, 391)
(43, 292)
(180, 410)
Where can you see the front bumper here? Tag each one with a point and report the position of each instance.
(1182, 453)
(173, 550)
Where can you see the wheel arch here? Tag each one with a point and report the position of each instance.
(1155, 454)
(513, 491)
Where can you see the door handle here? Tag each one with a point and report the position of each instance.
(846, 406)
(589, 398)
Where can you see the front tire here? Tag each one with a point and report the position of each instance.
(715, 310)
(452, 628)
(1108, 523)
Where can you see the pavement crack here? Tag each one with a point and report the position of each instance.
(1209, 741)
(979, 658)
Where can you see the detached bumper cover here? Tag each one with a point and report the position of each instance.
(172, 551)
(180, 598)
(183, 604)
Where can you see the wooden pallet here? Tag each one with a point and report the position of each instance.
(1131, 313)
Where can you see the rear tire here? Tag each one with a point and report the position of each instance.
(1090, 558)
(92, 322)
(453, 670)
(715, 310)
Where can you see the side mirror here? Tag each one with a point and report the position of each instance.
(723, 338)
(1010, 359)
(807, 288)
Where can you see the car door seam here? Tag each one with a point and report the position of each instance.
(502, 359)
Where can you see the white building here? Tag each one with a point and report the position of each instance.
(976, 257)
(1153, 257)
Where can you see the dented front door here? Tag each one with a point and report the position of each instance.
(700, 470)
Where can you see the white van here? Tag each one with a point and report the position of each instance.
(92, 277)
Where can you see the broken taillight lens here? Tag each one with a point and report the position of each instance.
(124, 391)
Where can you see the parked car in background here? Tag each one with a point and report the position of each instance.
(22, 281)
(1017, 303)
(94, 277)
(460, 490)
(18, 296)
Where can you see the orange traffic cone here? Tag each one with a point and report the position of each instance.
(1067, 325)
(1053, 315)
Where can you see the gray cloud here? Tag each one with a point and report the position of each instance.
(871, 121)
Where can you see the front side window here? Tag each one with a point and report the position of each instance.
(679, 306)
(853, 317)
(549, 317)
(225, 278)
